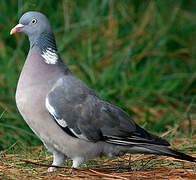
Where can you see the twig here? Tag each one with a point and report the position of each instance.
(166, 133)
(109, 175)
(41, 164)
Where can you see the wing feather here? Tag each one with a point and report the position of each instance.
(83, 114)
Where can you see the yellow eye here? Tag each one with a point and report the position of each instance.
(34, 21)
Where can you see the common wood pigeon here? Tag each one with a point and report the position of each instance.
(68, 116)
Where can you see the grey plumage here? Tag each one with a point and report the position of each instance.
(86, 114)
(69, 117)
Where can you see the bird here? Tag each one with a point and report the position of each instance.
(69, 117)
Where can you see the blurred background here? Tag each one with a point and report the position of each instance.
(139, 55)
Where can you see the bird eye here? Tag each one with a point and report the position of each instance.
(34, 21)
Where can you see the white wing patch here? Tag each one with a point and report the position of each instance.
(81, 136)
(61, 122)
(50, 108)
(50, 56)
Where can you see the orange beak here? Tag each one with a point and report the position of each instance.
(17, 28)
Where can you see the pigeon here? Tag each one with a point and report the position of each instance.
(70, 118)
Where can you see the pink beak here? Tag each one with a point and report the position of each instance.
(17, 28)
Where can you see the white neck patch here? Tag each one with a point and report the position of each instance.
(50, 56)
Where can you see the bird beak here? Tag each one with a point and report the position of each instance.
(17, 28)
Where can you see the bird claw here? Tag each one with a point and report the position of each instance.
(51, 169)
(72, 170)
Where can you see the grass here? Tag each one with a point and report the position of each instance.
(139, 55)
(32, 163)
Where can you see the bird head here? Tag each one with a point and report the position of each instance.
(32, 23)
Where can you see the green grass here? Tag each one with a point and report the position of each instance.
(32, 163)
(139, 55)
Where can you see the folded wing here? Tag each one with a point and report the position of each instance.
(83, 114)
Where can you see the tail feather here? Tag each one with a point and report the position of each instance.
(163, 150)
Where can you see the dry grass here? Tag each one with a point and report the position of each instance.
(32, 163)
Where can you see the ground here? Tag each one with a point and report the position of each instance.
(32, 163)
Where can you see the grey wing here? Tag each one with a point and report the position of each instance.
(83, 114)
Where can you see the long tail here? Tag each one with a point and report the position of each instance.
(162, 150)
